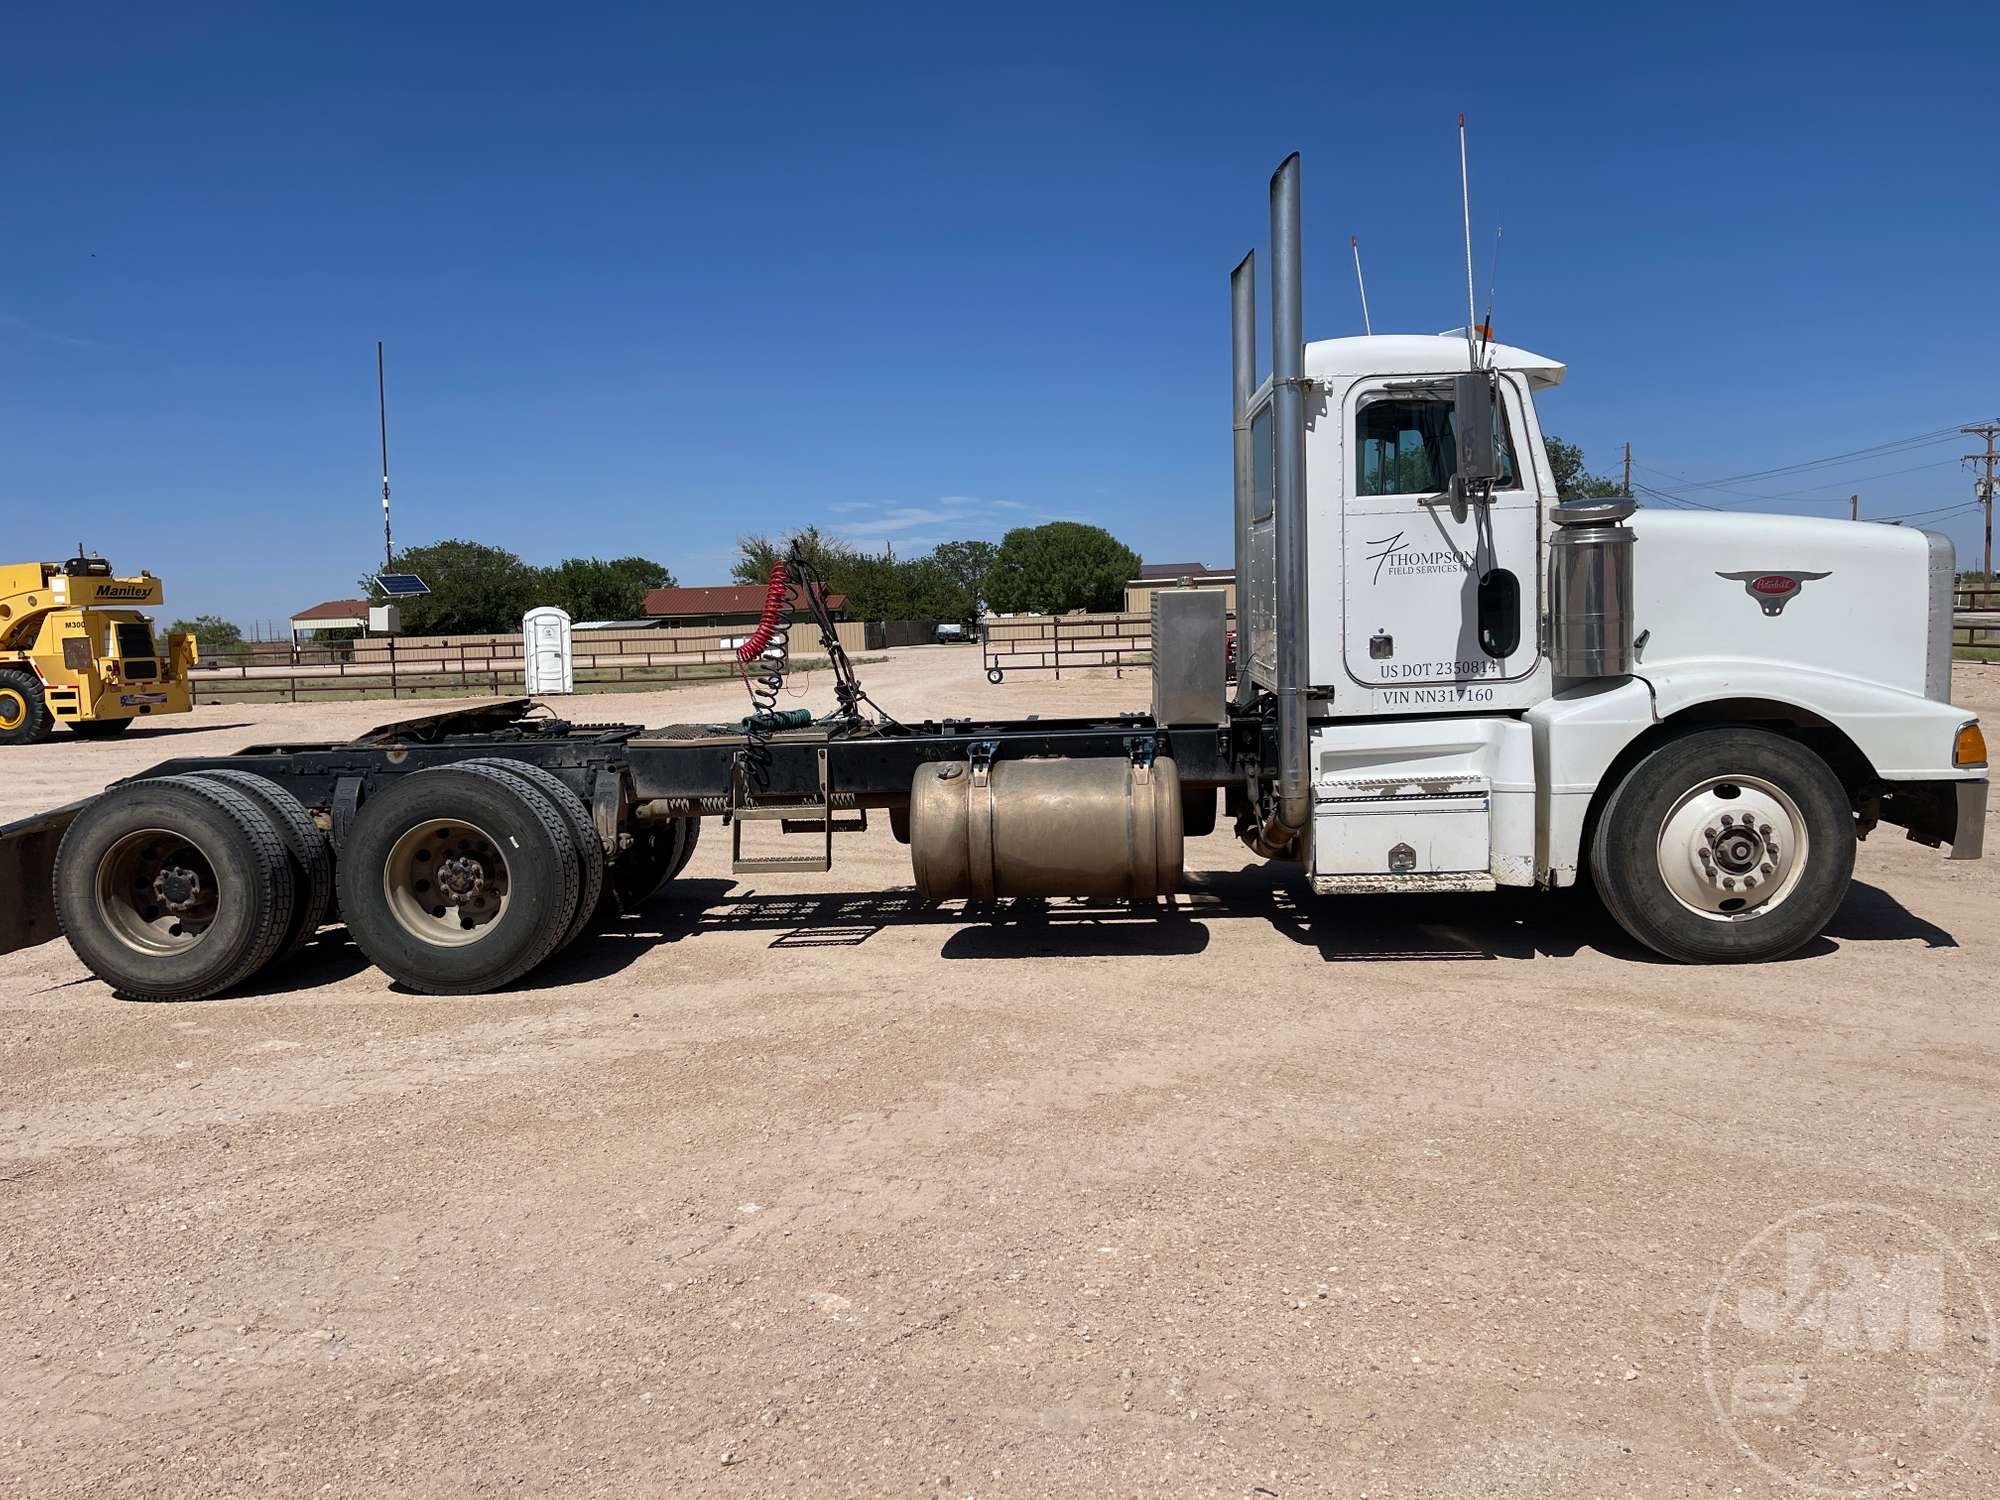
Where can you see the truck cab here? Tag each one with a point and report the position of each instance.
(1418, 606)
(1472, 684)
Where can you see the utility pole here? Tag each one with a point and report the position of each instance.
(1853, 507)
(1984, 487)
(382, 411)
(1628, 468)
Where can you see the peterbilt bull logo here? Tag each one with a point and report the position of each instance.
(1772, 591)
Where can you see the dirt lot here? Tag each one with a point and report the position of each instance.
(799, 1186)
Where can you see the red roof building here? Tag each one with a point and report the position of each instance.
(718, 608)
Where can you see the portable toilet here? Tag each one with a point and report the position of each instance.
(545, 651)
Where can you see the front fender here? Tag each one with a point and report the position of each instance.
(1903, 736)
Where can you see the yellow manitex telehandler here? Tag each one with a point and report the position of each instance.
(75, 650)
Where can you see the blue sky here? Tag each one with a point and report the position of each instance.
(654, 276)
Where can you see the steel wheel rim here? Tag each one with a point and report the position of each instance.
(157, 892)
(1733, 847)
(13, 709)
(446, 882)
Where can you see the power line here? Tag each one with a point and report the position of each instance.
(1935, 513)
(1874, 450)
(1804, 495)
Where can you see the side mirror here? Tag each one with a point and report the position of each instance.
(1473, 424)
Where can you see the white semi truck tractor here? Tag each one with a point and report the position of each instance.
(1449, 680)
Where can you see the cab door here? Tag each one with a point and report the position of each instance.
(1434, 604)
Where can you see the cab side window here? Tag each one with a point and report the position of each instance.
(1263, 467)
(1405, 445)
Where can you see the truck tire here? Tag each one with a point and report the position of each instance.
(583, 830)
(24, 712)
(1727, 845)
(509, 881)
(659, 852)
(98, 729)
(173, 889)
(309, 850)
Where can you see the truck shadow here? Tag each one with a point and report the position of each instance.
(1505, 924)
(149, 731)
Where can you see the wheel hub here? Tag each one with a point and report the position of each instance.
(460, 879)
(446, 881)
(177, 888)
(1732, 847)
(157, 892)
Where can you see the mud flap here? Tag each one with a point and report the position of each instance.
(27, 877)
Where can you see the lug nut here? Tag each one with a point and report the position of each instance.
(1765, 829)
(1766, 867)
(1749, 882)
(1727, 820)
(1728, 884)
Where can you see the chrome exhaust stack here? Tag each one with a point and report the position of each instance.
(1294, 800)
(1242, 382)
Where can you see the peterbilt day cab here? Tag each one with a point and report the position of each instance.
(1447, 679)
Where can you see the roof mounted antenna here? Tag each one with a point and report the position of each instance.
(1465, 203)
(1354, 243)
(1492, 285)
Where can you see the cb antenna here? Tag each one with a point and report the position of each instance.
(382, 411)
(1354, 243)
(1465, 202)
(1492, 287)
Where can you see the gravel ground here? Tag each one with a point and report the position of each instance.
(799, 1186)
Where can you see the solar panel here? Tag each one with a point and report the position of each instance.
(401, 585)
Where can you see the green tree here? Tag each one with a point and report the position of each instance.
(758, 552)
(1059, 567)
(592, 589)
(1573, 480)
(474, 589)
(966, 565)
(214, 635)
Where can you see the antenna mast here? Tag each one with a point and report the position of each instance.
(1492, 291)
(1354, 242)
(382, 411)
(1465, 202)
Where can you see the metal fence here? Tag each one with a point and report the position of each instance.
(1051, 643)
(398, 673)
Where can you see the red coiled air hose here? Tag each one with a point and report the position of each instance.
(777, 596)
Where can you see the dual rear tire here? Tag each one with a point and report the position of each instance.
(455, 880)
(186, 886)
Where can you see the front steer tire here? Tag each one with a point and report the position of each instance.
(24, 711)
(1758, 896)
(498, 912)
(173, 889)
